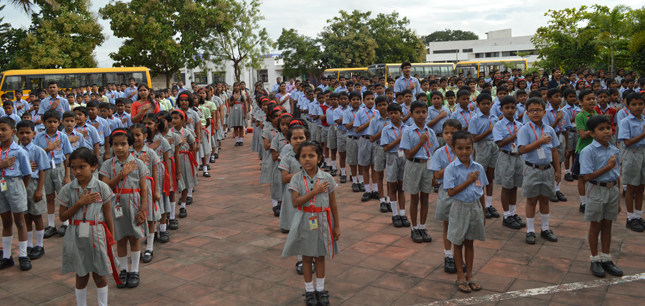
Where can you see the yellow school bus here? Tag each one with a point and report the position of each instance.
(29, 80)
(336, 73)
(424, 70)
(481, 69)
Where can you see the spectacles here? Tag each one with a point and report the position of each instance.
(531, 111)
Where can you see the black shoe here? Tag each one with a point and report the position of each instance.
(6, 263)
(424, 235)
(366, 197)
(236, 144)
(554, 198)
(328, 169)
(310, 299)
(276, 210)
(568, 177)
(343, 179)
(375, 195)
(355, 188)
(36, 252)
(173, 224)
(208, 167)
(436, 189)
(61, 230)
(389, 207)
(560, 196)
(29, 250)
(530, 238)
(575, 176)
(449, 265)
(582, 208)
(405, 221)
(641, 222)
(634, 225)
(322, 297)
(164, 237)
(50, 231)
(511, 223)
(299, 268)
(416, 236)
(206, 174)
(519, 221)
(200, 168)
(361, 186)
(487, 213)
(493, 212)
(189, 200)
(133, 279)
(396, 221)
(596, 269)
(25, 263)
(183, 213)
(384, 207)
(124, 275)
(212, 159)
(548, 235)
(611, 268)
(147, 256)
(217, 155)
(333, 172)
(241, 143)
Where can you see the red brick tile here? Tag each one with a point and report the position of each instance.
(502, 269)
(434, 289)
(376, 296)
(359, 276)
(396, 252)
(366, 247)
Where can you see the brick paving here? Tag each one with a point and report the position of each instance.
(228, 252)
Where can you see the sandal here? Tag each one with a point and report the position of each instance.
(472, 283)
(459, 284)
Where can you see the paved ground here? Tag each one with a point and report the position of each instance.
(228, 252)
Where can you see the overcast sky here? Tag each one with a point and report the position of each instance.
(425, 16)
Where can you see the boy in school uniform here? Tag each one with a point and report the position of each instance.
(7, 106)
(463, 112)
(572, 110)
(374, 132)
(588, 103)
(91, 137)
(16, 173)
(365, 146)
(603, 108)
(395, 164)
(102, 127)
(324, 131)
(486, 152)
(560, 122)
(538, 144)
(332, 135)
(352, 141)
(121, 114)
(510, 164)
(341, 136)
(437, 115)
(632, 134)
(418, 143)
(600, 166)
(74, 136)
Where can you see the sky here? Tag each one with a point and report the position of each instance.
(425, 16)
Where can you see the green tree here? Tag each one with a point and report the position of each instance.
(61, 36)
(637, 40)
(165, 35)
(395, 41)
(27, 5)
(10, 39)
(449, 35)
(347, 41)
(610, 28)
(300, 54)
(245, 42)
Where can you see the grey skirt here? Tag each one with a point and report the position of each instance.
(236, 116)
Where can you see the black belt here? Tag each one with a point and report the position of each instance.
(365, 136)
(537, 166)
(439, 134)
(511, 154)
(558, 133)
(417, 160)
(603, 184)
(352, 137)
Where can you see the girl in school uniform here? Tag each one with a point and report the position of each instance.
(255, 120)
(205, 120)
(266, 174)
(165, 128)
(260, 122)
(191, 123)
(87, 246)
(313, 234)
(127, 176)
(277, 144)
(236, 113)
(186, 162)
(159, 144)
(214, 104)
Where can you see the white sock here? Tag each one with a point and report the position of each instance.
(66, 223)
(326, 160)
(183, 204)
(299, 257)
(237, 139)
(489, 201)
(360, 179)
(638, 213)
(530, 227)
(22, 246)
(557, 186)
(320, 284)
(583, 199)
(395, 208)
(512, 209)
(567, 171)
(343, 171)
(39, 237)
(208, 157)
(162, 228)
(354, 180)
(309, 287)
(274, 202)
(333, 164)
(150, 240)
(367, 188)
(402, 212)
(81, 296)
(190, 193)
(382, 200)
(135, 256)
(50, 220)
(605, 257)
(595, 258)
(172, 209)
(447, 253)
(102, 295)
(422, 226)
(374, 187)
(241, 139)
(415, 227)
(388, 199)
(123, 263)
(545, 221)
(30, 238)
(507, 214)
(6, 246)
(630, 216)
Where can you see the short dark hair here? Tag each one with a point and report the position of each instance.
(417, 104)
(483, 97)
(26, 123)
(83, 110)
(368, 93)
(552, 92)
(452, 123)
(462, 92)
(405, 92)
(507, 100)
(93, 103)
(7, 120)
(602, 91)
(394, 107)
(634, 96)
(405, 64)
(354, 94)
(584, 92)
(596, 120)
(69, 114)
(52, 113)
(535, 100)
(85, 154)
(380, 99)
(461, 134)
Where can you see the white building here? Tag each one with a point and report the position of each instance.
(499, 45)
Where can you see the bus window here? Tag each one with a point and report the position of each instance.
(36, 83)
(13, 83)
(96, 79)
(110, 77)
(139, 78)
(58, 78)
(74, 80)
(394, 72)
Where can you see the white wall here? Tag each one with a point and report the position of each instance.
(248, 75)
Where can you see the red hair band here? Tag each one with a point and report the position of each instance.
(183, 94)
(295, 122)
(183, 115)
(118, 132)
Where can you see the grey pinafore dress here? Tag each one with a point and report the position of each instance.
(266, 173)
(276, 183)
(164, 146)
(288, 163)
(154, 211)
(173, 139)
(187, 170)
(236, 116)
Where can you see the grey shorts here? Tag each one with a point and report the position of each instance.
(561, 148)
(315, 132)
(508, 172)
(341, 141)
(54, 179)
(486, 152)
(332, 136)
(35, 208)
(573, 140)
(602, 202)
(365, 152)
(444, 204)
(417, 178)
(466, 222)
(14, 199)
(633, 172)
(379, 157)
(395, 167)
(441, 142)
(324, 133)
(538, 182)
(352, 151)
(101, 154)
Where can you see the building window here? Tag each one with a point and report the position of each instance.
(533, 52)
(492, 54)
(201, 78)
(445, 51)
(182, 77)
(467, 50)
(219, 77)
(509, 53)
(263, 76)
(479, 55)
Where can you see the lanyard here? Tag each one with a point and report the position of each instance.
(448, 154)
(85, 206)
(5, 157)
(394, 131)
(407, 85)
(47, 139)
(312, 202)
(124, 179)
(368, 115)
(509, 130)
(469, 117)
(425, 146)
(536, 136)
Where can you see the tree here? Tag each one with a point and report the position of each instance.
(395, 41)
(167, 35)
(637, 41)
(300, 53)
(449, 35)
(347, 41)
(61, 36)
(245, 42)
(10, 39)
(609, 27)
(26, 5)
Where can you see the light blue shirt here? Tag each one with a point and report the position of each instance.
(390, 134)
(456, 174)
(109, 94)
(25, 107)
(406, 111)
(622, 114)
(376, 125)
(135, 97)
(402, 84)
(276, 86)
(551, 115)
(338, 114)
(572, 111)
(434, 113)
(441, 158)
(103, 129)
(341, 89)
(21, 166)
(124, 115)
(14, 117)
(115, 123)
(595, 156)
(348, 117)
(631, 127)
(312, 108)
(363, 116)
(412, 136)
(43, 139)
(464, 116)
(504, 129)
(38, 155)
(330, 116)
(77, 144)
(496, 109)
(46, 103)
(479, 124)
(519, 110)
(91, 138)
(317, 111)
(529, 133)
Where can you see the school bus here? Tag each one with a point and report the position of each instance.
(29, 80)
(336, 73)
(481, 69)
(424, 70)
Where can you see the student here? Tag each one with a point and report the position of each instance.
(418, 143)
(277, 145)
(463, 112)
(186, 162)
(572, 111)
(270, 132)
(332, 135)
(374, 132)
(631, 134)
(406, 99)
(121, 114)
(16, 173)
(510, 164)
(324, 128)
(36, 204)
(540, 156)
(603, 108)
(7, 106)
(236, 113)
(495, 109)
(313, 234)
(349, 117)
(102, 127)
(449, 101)
(75, 138)
(341, 137)
(437, 115)
(600, 166)
(560, 122)
(366, 147)
(165, 127)
(86, 202)
(588, 104)
(395, 164)
(126, 175)
(486, 152)
(106, 114)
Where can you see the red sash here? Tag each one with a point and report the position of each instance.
(191, 157)
(317, 210)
